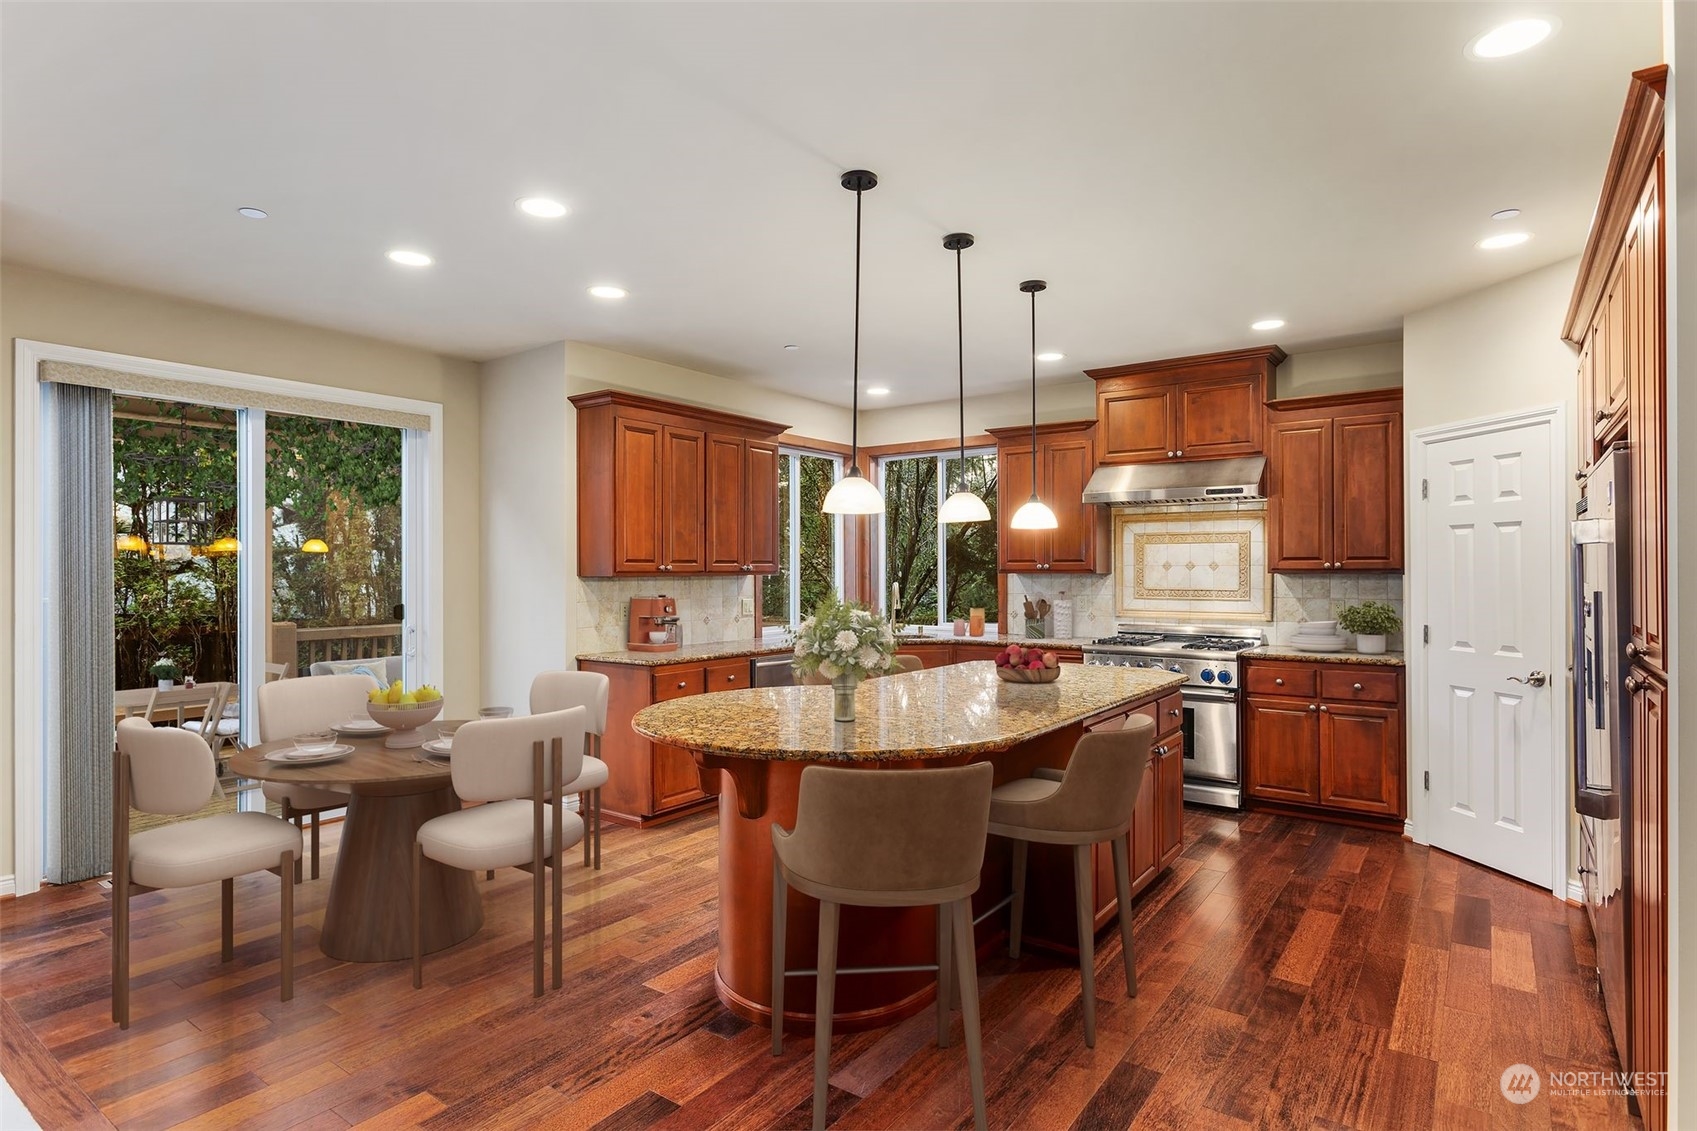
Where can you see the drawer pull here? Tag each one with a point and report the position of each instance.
(1174, 712)
(682, 685)
(733, 678)
(1358, 687)
(1278, 681)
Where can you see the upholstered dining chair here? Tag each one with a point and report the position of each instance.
(288, 707)
(555, 691)
(516, 767)
(1087, 803)
(873, 839)
(166, 771)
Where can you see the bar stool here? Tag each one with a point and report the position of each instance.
(873, 839)
(1089, 803)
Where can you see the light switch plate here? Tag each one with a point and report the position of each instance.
(748, 606)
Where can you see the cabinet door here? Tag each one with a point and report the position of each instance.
(1299, 488)
(1017, 551)
(760, 520)
(1169, 783)
(1647, 958)
(1145, 826)
(726, 505)
(1648, 429)
(638, 544)
(1282, 741)
(683, 473)
(1220, 418)
(1069, 461)
(931, 655)
(1614, 357)
(1366, 492)
(1137, 425)
(674, 779)
(1361, 758)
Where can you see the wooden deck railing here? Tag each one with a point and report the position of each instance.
(346, 642)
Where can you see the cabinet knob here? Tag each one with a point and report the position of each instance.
(1357, 687)
(1323, 707)
(1633, 684)
(1180, 452)
(1174, 712)
(733, 679)
(1278, 681)
(1632, 649)
(1326, 565)
(1313, 706)
(1171, 454)
(1602, 414)
(1580, 476)
(682, 685)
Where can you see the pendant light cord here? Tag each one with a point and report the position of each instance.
(960, 354)
(854, 422)
(1033, 396)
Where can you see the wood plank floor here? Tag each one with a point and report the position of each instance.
(1292, 975)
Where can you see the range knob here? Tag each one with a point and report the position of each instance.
(1225, 678)
(1207, 676)
(1174, 668)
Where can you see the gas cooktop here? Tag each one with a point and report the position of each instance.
(1176, 642)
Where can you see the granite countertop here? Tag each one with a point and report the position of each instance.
(690, 653)
(941, 712)
(1073, 643)
(1285, 652)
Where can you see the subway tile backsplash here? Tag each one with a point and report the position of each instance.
(710, 609)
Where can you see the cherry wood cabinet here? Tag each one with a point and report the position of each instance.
(939, 653)
(1647, 840)
(1325, 740)
(1647, 426)
(1334, 482)
(1209, 406)
(666, 488)
(1065, 458)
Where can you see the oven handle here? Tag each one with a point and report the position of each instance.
(1206, 696)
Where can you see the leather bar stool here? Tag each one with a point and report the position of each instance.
(872, 839)
(1090, 802)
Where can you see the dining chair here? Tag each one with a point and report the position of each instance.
(870, 839)
(134, 704)
(218, 722)
(555, 691)
(288, 707)
(1084, 805)
(516, 768)
(166, 771)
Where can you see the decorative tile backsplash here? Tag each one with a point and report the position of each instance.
(710, 609)
(1207, 566)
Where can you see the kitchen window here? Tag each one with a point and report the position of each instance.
(810, 542)
(943, 569)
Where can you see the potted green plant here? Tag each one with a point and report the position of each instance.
(166, 671)
(1371, 622)
(845, 643)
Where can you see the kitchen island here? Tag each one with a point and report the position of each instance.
(758, 742)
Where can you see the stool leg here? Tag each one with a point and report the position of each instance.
(1122, 888)
(229, 950)
(1016, 922)
(780, 920)
(824, 1002)
(597, 796)
(1082, 896)
(966, 960)
(583, 811)
(945, 976)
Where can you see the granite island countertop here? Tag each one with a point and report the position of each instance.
(941, 712)
(1286, 652)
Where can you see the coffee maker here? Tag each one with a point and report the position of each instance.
(653, 624)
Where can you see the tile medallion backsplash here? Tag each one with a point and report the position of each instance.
(710, 609)
(1208, 566)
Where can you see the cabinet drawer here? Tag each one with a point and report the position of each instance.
(1347, 684)
(1167, 713)
(675, 683)
(727, 675)
(1298, 680)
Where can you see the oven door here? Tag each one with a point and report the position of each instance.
(1210, 735)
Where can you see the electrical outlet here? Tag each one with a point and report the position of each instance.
(748, 606)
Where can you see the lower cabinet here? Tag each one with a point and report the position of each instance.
(936, 653)
(650, 782)
(1325, 740)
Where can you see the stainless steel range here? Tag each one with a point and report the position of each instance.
(1207, 658)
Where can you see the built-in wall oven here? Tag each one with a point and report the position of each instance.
(1207, 658)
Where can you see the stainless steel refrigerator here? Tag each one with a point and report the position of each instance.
(1601, 580)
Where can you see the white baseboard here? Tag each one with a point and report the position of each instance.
(1576, 891)
(8, 885)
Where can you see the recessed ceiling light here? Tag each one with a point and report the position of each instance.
(792, 346)
(877, 391)
(1510, 39)
(252, 213)
(1507, 239)
(1505, 214)
(542, 207)
(410, 258)
(606, 291)
(1050, 356)
(1267, 324)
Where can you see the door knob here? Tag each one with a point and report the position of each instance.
(1536, 679)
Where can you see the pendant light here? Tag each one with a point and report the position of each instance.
(963, 505)
(1035, 514)
(854, 493)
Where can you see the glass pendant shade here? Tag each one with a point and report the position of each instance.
(963, 506)
(1034, 515)
(853, 494)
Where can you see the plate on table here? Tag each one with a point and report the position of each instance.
(360, 727)
(296, 758)
(439, 747)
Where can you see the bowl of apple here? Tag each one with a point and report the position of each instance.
(403, 712)
(1019, 664)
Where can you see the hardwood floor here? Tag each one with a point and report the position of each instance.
(1292, 975)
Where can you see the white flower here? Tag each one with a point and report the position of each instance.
(829, 670)
(869, 658)
(846, 641)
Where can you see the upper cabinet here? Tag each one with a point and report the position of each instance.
(1065, 458)
(1334, 482)
(667, 488)
(1206, 407)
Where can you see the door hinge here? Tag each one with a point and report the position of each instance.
(1425, 488)
(1428, 780)
(1425, 634)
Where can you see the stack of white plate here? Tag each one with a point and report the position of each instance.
(1318, 636)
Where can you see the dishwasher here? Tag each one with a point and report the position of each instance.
(774, 671)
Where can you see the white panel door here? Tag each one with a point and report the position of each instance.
(1494, 601)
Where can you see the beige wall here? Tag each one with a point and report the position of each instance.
(49, 307)
(1349, 369)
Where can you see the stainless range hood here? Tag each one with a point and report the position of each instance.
(1191, 481)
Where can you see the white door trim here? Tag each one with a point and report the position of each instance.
(29, 646)
(1553, 416)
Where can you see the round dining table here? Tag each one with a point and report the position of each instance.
(368, 914)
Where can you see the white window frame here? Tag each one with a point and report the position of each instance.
(793, 564)
(943, 493)
(33, 654)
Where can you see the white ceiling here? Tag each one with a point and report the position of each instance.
(1174, 171)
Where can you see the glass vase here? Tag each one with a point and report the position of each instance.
(842, 697)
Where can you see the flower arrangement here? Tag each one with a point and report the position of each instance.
(1370, 618)
(165, 669)
(839, 638)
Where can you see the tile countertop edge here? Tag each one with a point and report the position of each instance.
(1375, 659)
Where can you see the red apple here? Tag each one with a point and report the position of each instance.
(1002, 660)
(1050, 660)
